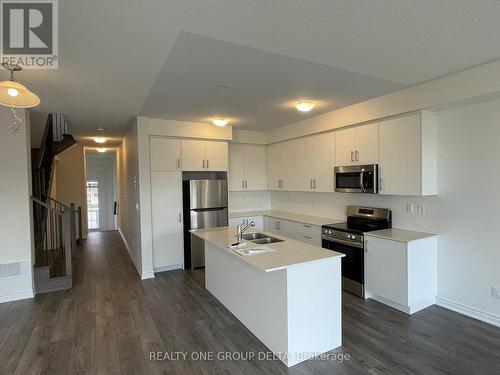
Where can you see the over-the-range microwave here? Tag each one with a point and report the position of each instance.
(357, 179)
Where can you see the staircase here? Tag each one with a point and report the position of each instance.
(54, 222)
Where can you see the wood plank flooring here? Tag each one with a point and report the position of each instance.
(110, 322)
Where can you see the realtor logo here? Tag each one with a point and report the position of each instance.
(29, 34)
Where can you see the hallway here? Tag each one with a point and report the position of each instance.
(111, 321)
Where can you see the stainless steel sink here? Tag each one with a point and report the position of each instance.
(265, 240)
(260, 238)
(253, 236)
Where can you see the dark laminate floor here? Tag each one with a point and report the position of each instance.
(110, 321)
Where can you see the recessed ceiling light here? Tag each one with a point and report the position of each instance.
(220, 121)
(100, 140)
(100, 149)
(305, 106)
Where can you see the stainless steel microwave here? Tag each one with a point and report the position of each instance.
(357, 179)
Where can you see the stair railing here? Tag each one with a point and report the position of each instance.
(55, 238)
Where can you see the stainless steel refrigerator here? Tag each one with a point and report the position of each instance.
(205, 206)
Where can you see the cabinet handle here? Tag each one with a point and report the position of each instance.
(203, 163)
(311, 183)
(314, 183)
(307, 226)
(242, 184)
(207, 164)
(180, 217)
(178, 163)
(246, 184)
(380, 184)
(309, 238)
(352, 156)
(357, 155)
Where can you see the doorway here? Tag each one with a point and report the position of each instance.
(101, 190)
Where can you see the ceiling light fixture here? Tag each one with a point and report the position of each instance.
(15, 95)
(220, 121)
(101, 149)
(100, 140)
(304, 106)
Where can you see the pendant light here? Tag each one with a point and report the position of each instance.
(15, 95)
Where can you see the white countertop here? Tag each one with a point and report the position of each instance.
(286, 254)
(286, 215)
(401, 235)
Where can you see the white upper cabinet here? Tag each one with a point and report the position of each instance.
(345, 145)
(366, 144)
(236, 173)
(281, 166)
(216, 156)
(247, 167)
(204, 155)
(357, 145)
(315, 159)
(408, 148)
(165, 154)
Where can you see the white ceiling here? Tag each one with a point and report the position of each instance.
(263, 85)
(111, 52)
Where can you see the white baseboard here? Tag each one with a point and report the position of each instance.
(147, 275)
(130, 253)
(169, 268)
(16, 296)
(469, 311)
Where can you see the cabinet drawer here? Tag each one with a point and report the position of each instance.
(316, 241)
(309, 230)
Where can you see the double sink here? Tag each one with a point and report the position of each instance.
(260, 238)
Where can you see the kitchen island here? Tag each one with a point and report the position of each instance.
(289, 297)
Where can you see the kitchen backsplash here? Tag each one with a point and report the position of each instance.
(249, 200)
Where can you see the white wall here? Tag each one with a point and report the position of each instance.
(70, 180)
(249, 200)
(16, 236)
(466, 212)
(129, 223)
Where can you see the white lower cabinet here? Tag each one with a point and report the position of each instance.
(166, 205)
(297, 231)
(259, 221)
(401, 274)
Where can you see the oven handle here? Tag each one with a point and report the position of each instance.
(343, 242)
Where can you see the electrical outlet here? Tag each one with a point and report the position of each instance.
(495, 292)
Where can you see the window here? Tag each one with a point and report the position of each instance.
(93, 204)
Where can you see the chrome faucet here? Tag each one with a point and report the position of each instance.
(241, 229)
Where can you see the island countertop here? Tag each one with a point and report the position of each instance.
(288, 253)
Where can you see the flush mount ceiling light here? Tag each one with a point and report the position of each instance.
(304, 106)
(15, 95)
(100, 140)
(100, 149)
(220, 121)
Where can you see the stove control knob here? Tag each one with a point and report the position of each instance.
(349, 236)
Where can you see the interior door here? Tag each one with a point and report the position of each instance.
(165, 154)
(236, 167)
(345, 144)
(193, 155)
(166, 206)
(367, 144)
(216, 156)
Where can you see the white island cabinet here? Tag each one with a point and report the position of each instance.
(401, 268)
(290, 298)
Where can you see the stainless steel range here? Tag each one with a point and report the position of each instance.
(348, 238)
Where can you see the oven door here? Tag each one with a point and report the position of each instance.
(353, 266)
(357, 179)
